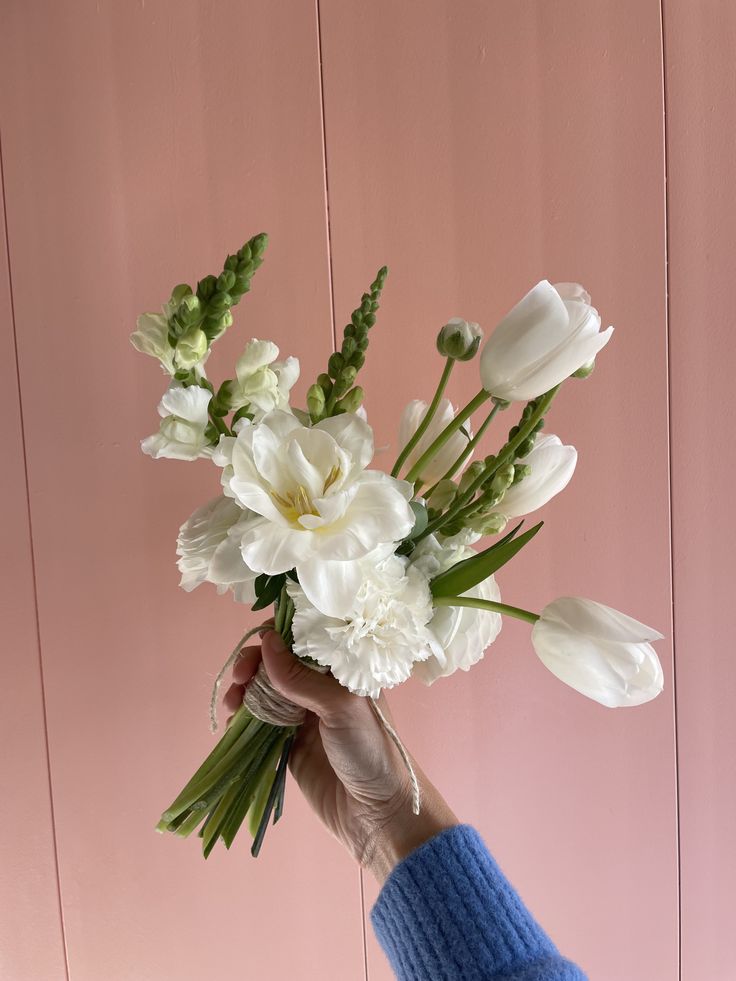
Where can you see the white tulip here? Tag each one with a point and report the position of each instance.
(182, 432)
(599, 652)
(551, 333)
(552, 466)
(208, 547)
(262, 383)
(411, 418)
(317, 509)
(375, 643)
(152, 338)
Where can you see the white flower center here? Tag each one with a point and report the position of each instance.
(294, 504)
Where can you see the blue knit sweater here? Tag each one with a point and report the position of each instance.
(447, 913)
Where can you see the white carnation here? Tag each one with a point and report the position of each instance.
(208, 547)
(463, 633)
(383, 636)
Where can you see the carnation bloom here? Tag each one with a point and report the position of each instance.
(384, 633)
(551, 333)
(599, 652)
(463, 633)
(208, 547)
(411, 418)
(552, 466)
(181, 435)
(316, 508)
(262, 383)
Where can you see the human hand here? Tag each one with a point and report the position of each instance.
(346, 766)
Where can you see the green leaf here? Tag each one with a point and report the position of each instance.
(268, 589)
(463, 576)
(421, 518)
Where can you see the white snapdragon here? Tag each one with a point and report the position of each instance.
(550, 334)
(208, 547)
(263, 383)
(383, 634)
(181, 435)
(317, 508)
(599, 652)
(411, 418)
(152, 337)
(463, 633)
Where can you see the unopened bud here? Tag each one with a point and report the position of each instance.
(190, 348)
(526, 445)
(521, 470)
(503, 478)
(443, 495)
(459, 339)
(344, 381)
(335, 364)
(471, 475)
(487, 524)
(316, 402)
(352, 401)
(325, 383)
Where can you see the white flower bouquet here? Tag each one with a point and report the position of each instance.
(372, 576)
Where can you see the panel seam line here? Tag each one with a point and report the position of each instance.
(29, 518)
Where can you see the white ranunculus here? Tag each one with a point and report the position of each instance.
(318, 509)
(377, 641)
(411, 418)
(552, 466)
(208, 547)
(181, 435)
(152, 337)
(262, 383)
(459, 339)
(551, 333)
(463, 633)
(599, 652)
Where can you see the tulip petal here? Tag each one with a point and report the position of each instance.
(598, 621)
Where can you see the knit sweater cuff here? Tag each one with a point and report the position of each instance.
(447, 911)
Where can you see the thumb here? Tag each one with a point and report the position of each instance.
(316, 692)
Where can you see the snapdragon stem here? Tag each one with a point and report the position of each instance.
(416, 471)
(467, 451)
(428, 416)
(481, 604)
(507, 455)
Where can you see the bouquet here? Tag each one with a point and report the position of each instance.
(375, 577)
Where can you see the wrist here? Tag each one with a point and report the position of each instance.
(406, 831)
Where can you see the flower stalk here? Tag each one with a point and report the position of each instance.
(462, 417)
(480, 604)
(428, 416)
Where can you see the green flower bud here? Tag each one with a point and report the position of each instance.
(521, 470)
(222, 403)
(190, 348)
(225, 281)
(443, 495)
(527, 445)
(325, 383)
(487, 524)
(335, 364)
(344, 381)
(316, 402)
(358, 360)
(471, 475)
(503, 478)
(177, 295)
(584, 370)
(352, 401)
(220, 302)
(459, 339)
(349, 347)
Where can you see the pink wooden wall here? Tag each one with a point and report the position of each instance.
(475, 147)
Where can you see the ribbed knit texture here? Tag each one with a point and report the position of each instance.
(448, 913)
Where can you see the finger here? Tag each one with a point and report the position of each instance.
(319, 693)
(233, 697)
(246, 665)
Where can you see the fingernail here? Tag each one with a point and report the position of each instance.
(276, 642)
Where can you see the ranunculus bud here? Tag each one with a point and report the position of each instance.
(190, 348)
(459, 339)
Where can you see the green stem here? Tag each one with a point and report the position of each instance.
(507, 454)
(467, 451)
(428, 416)
(480, 604)
(436, 446)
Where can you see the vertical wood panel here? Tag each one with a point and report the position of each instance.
(477, 148)
(143, 142)
(700, 38)
(31, 941)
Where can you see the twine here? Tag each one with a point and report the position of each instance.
(268, 705)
